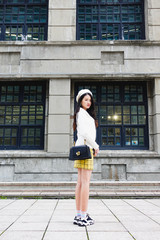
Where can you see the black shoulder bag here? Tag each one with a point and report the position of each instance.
(81, 152)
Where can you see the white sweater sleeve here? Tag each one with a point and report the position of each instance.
(84, 131)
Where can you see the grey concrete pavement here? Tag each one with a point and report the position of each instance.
(51, 219)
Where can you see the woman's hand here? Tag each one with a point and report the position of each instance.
(96, 151)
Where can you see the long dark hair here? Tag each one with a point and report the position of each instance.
(91, 110)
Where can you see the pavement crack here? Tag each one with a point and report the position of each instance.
(118, 219)
(50, 220)
(18, 217)
(152, 203)
(87, 233)
(142, 213)
(8, 204)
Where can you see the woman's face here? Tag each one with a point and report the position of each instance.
(86, 102)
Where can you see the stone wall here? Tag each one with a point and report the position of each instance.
(62, 20)
(61, 61)
(53, 59)
(153, 20)
(40, 166)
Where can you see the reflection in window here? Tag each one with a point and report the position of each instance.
(122, 117)
(110, 20)
(24, 20)
(22, 115)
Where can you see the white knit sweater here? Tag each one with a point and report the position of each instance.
(86, 129)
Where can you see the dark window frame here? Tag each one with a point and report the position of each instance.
(24, 25)
(122, 126)
(20, 126)
(121, 26)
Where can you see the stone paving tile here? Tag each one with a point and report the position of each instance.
(155, 218)
(31, 226)
(133, 218)
(6, 219)
(64, 212)
(33, 219)
(62, 218)
(103, 218)
(150, 212)
(138, 202)
(11, 212)
(64, 227)
(110, 236)
(146, 235)
(154, 201)
(114, 202)
(101, 212)
(22, 235)
(148, 226)
(4, 225)
(124, 211)
(36, 212)
(20, 205)
(66, 207)
(106, 227)
(66, 236)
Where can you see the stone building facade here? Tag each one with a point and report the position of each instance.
(40, 79)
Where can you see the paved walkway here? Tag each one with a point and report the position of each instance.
(51, 219)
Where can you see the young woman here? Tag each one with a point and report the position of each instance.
(85, 123)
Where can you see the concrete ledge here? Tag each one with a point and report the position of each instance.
(106, 153)
(81, 42)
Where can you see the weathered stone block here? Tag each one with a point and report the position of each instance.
(153, 3)
(156, 86)
(6, 173)
(64, 17)
(58, 143)
(62, 4)
(156, 105)
(59, 87)
(115, 58)
(59, 105)
(154, 16)
(114, 172)
(62, 33)
(59, 124)
(154, 33)
(10, 58)
(143, 176)
(156, 124)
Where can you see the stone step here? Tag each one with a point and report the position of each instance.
(94, 185)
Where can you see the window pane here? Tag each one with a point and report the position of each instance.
(17, 116)
(107, 15)
(13, 17)
(121, 125)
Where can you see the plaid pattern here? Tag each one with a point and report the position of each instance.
(85, 164)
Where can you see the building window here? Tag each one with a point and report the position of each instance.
(110, 19)
(23, 20)
(121, 113)
(22, 108)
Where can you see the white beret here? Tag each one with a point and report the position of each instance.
(81, 92)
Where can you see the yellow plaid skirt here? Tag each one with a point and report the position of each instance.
(85, 164)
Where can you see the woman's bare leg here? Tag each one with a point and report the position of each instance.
(85, 182)
(78, 190)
